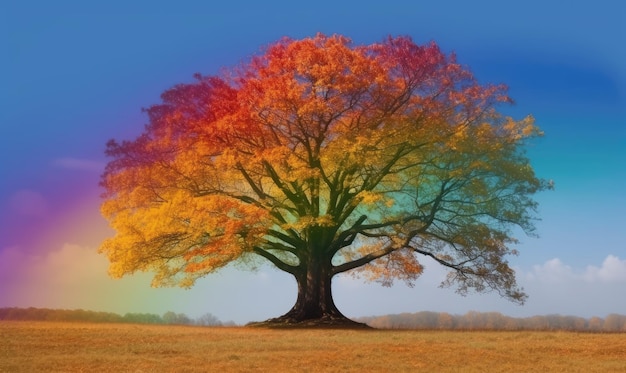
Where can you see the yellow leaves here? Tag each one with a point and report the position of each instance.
(369, 198)
(529, 128)
(182, 238)
(185, 283)
(522, 129)
(459, 138)
(389, 202)
(306, 222)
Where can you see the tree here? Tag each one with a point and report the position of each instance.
(324, 157)
(595, 324)
(614, 323)
(208, 319)
(170, 317)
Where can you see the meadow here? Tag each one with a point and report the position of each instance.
(37, 346)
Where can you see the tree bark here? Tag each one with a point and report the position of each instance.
(315, 300)
(314, 306)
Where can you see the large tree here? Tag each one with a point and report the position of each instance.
(324, 157)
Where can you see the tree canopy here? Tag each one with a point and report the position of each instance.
(324, 157)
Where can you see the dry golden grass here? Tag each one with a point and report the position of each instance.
(66, 347)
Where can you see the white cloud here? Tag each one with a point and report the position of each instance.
(553, 287)
(57, 279)
(552, 271)
(27, 202)
(556, 287)
(71, 265)
(78, 164)
(612, 270)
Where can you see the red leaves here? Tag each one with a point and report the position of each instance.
(299, 92)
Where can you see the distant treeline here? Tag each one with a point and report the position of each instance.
(495, 321)
(79, 315)
(419, 320)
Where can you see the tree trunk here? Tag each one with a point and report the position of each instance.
(315, 300)
(314, 305)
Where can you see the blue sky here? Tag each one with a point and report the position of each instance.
(74, 75)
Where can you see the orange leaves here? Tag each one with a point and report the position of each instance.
(523, 129)
(298, 87)
(315, 65)
(397, 265)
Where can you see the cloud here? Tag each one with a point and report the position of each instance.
(72, 276)
(70, 163)
(70, 265)
(612, 270)
(556, 287)
(553, 287)
(27, 202)
(552, 271)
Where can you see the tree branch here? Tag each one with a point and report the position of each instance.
(251, 182)
(291, 196)
(277, 262)
(363, 260)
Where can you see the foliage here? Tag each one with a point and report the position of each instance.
(325, 157)
(426, 320)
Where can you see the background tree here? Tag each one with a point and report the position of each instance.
(324, 157)
(208, 319)
(614, 323)
(170, 317)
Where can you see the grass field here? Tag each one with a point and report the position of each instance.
(77, 347)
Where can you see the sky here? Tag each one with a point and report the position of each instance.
(75, 74)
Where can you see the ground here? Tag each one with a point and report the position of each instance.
(82, 347)
(322, 323)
